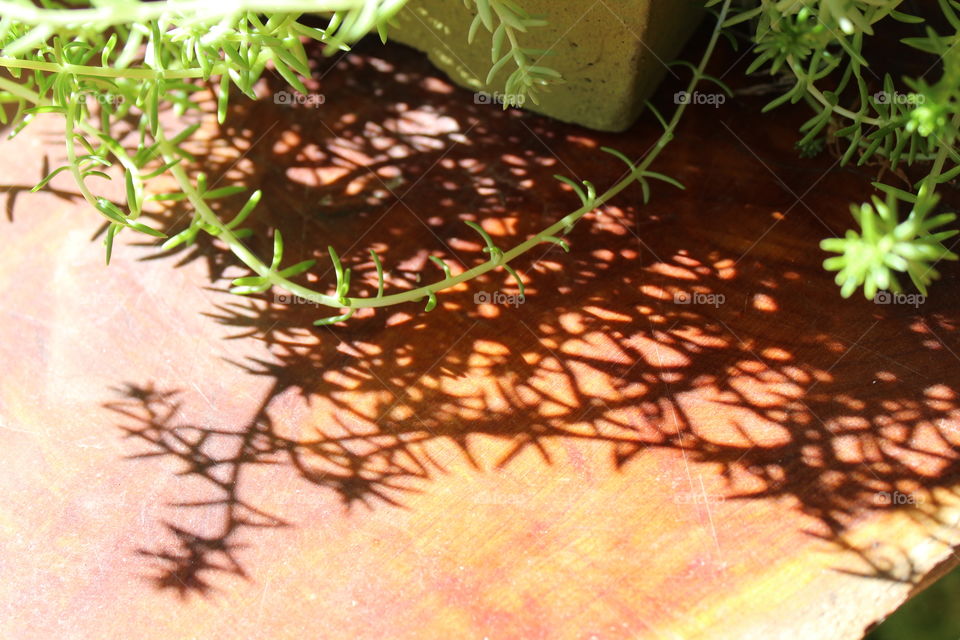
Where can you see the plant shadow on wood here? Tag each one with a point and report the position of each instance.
(695, 323)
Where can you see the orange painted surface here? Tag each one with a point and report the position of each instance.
(604, 460)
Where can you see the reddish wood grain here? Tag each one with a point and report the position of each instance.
(599, 461)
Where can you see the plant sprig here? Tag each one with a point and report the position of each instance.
(129, 58)
(505, 20)
(914, 123)
(133, 58)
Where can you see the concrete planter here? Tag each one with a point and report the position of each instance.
(611, 52)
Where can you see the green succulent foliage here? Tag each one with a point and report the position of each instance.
(885, 247)
(103, 64)
(507, 21)
(906, 123)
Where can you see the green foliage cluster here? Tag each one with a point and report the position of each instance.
(134, 58)
(895, 122)
(101, 64)
(506, 21)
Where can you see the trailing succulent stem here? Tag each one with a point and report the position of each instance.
(132, 58)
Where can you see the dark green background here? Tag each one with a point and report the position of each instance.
(932, 615)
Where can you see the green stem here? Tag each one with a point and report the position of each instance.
(72, 157)
(929, 183)
(115, 148)
(258, 267)
(942, 154)
(878, 14)
(240, 250)
(822, 99)
(518, 57)
(21, 92)
(236, 246)
(108, 72)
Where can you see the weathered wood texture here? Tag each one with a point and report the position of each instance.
(600, 461)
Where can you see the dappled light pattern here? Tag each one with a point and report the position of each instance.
(660, 329)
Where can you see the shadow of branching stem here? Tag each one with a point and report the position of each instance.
(153, 416)
(696, 323)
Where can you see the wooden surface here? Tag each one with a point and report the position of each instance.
(598, 462)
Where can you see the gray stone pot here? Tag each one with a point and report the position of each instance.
(611, 52)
